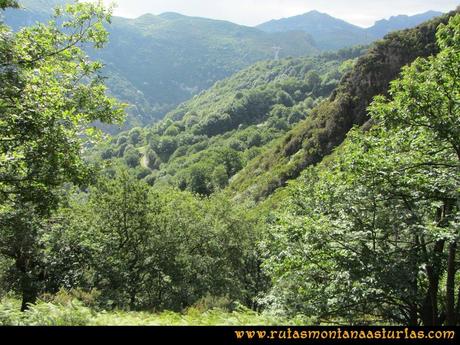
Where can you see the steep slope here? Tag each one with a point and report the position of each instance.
(156, 62)
(327, 126)
(328, 32)
(203, 143)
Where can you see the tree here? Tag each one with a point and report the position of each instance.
(50, 95)
(219, 177)
(426, 103)
(313, 81)
(8, 3)
(135, 136)
(121, 224)
(198, 178)
(374, 230)
(132, 157)
(152, 159)
(152, 249)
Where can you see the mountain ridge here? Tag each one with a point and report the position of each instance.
(156, 62)
(385, 26)
(165, 60)
(328, 32)
(331, 33)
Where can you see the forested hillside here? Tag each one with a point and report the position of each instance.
(373, 229)
(311, 140)
(203, 143)
(316, 190)
(190, 54)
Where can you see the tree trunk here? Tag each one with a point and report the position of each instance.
(132, 301)
(413, 306)
(450, 286)
(27, 283)
(457, 308)
(413, 315)
(430, 312)
(434, 267)
(29, 292)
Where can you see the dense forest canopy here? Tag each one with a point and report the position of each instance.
(313, 139)
(322, 189)
(204, 142)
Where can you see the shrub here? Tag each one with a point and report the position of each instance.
(47, 314)
(69, 313)
(210, 302)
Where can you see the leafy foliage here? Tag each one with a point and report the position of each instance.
(50, 94)
(8, 4)
(166, 220)
(202, 144)
(374, 230)
(73, 313)
(326, 127)
(153, 249)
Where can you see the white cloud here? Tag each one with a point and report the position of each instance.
(253, 12)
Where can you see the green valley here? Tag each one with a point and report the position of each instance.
(204, 142)
(190, 55)
(308, 188)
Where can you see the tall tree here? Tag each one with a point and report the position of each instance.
(50, 95)
(374, 230)
(425, 103)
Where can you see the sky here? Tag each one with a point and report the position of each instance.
(252, 12)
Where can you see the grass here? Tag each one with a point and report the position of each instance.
(74, 313)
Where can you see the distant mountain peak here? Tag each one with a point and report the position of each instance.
(172, 15)
(316, 13)
(405, 16)
(399, 22)
(147, 17)
(331, 33)
(313, 12)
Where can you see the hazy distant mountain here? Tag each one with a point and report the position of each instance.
(331, 33)
(157, 62)
(31, 12)
(328, 32)
(385, 26)
(172, 57)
